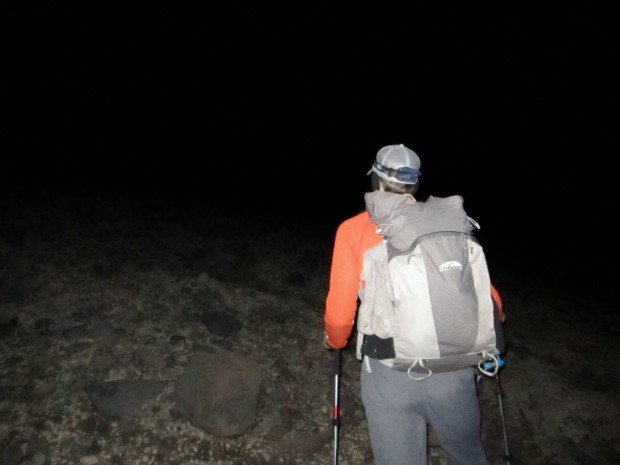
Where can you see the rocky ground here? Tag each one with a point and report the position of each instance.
(136, 332)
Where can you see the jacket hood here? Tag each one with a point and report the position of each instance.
(402, 221)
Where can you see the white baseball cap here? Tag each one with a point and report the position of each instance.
(397, 163)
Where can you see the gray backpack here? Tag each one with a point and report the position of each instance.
(426, 301)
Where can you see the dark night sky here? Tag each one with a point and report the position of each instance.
(264, 106)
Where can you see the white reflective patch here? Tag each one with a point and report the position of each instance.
(451, 265)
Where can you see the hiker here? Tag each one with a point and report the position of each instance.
(398, 405)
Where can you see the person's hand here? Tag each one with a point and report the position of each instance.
(326, 343)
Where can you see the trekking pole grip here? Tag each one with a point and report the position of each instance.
(336, 362)
(336, 366)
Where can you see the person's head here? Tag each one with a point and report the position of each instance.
(396, 169)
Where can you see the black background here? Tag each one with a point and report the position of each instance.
(280, 110)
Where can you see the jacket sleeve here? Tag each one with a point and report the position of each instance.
(498, 318)
(341, 302)
(498, 304)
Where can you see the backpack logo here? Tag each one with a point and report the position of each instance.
(451, 265)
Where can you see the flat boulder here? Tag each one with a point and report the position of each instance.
(219, 393)
(123, 399)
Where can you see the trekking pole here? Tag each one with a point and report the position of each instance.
(336, 413)
(500, 395)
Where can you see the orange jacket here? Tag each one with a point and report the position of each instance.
(353, 238)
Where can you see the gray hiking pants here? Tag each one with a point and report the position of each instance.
(399, 408)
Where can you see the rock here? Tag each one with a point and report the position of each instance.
(45, 389)
(436, 456)
(86, 445)
(79, 346)
(128, 428)
(123, 399)
(42, 325)
(38, 459)
(88, 425)
(11, 455)
(203, 279)
(102, 331)
(7, 327)
(149, 359)
(83, 443)
(221, 323)
(75, 330)
(18, 392)
(273, 427)
(219, 392)
(5, 406)
(313, 442)
(14, 360)
(37, 445)
(89, 460)
(225, 344)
